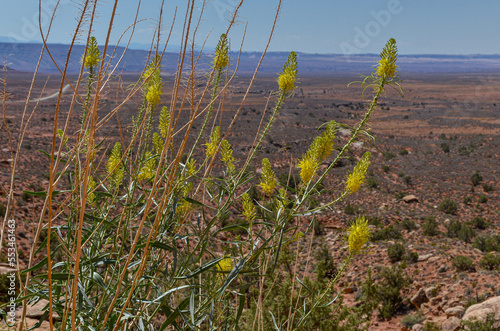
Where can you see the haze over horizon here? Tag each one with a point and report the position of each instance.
(355, 27)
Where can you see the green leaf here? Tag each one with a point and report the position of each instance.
(304, 285)
(232, 275)
(56, 276)
(159, 245)
(204, 267)
(37, 266)
(196, 202)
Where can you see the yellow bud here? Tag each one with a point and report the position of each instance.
(308, 166)
(248, 207)
(114, 166)
(164, 121)
(286, 79)
(268, 178)
(92, 57)
(356, 178)
(221, 58)
(387, 68)
(213, 143)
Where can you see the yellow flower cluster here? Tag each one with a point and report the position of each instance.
(308, 166)
(213, 143)
(152, 82)
(164, 121)
(221, 58)
(186, 206)
(191, 167)
(248, 207)
(356, 178)
(92, 58)
(268, 178)
(320, 149)
(157, 143)
(286, 78)
(387, 68)
(227, 156)
(281, 199)
(90, 187)
(148, 170)
(225, 265)
(359, 234)
(114, 166)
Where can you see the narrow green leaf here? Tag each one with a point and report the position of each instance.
(37, 266)
(204, 267)
(304, 285)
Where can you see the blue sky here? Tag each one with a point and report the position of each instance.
(314, 26)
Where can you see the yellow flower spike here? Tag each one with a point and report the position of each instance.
(114, 166)
(225, 265)
(286, 78)
(191, 167)
(148, 170)
(308, 166)
(356, 178)
(213, 143)
(221, 58)
(268, 178)
(248, 207)
(152, 82)
(227, 155)
(157, 143)
(282, 199)
(164, 121)
(90, 187)
(387, 68)
(359, 234)
(92, 58)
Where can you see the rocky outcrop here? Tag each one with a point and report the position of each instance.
(481, 311)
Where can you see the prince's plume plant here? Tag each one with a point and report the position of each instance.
(145, 233)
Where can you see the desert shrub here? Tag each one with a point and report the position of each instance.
(431, 326)
(396, 252)
(389, 232)
(445, 147)
(385, 168)
(463, 263)
(162, 226)
(448, 206)
(467, 199)
(387, 291)
(325, 267)
(372, 182)
(490, 261)
(478, 325)
(487, 243)
(399, 195)
(442, 136)
(464, 232)
(352, 209)
(408, 225)
(430, 226)
(403, 152)
(410, 320)
(482, 198)
(407, 180)
(479, 222)
(488, 188)
(476, 179)
(318, 227)
(389, 155)
(375, 221)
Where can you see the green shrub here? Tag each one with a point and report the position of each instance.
(445, 147)
(431, 326)
(387, 292)
(448, 206)
(389, 155)
(396, 252)
(411, 257)
(488, 188)
(487, 243)
(490, 261)
(385, 168)
(467, 199)
(389, 232)
(482, 198)
(463, 263)
(486, 325)
(326, 267)
(479, 222)
(430, 226)
(410, 320)
(372, 182)
(461, 231)
(476, 179)
(403, 152)
(351, 209)
(408, 225)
